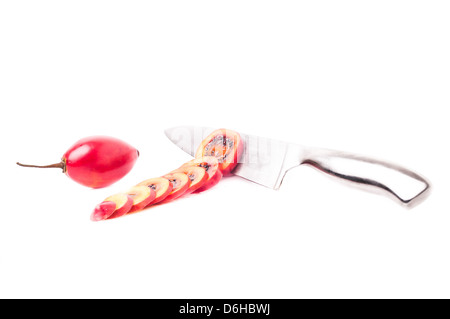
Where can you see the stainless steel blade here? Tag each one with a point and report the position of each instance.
(264, 161)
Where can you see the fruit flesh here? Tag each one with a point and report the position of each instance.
(160, 185)
(220, 146)
(196, 174)
(225, 145)
(211, 165)
(142, 196)
(180, 183)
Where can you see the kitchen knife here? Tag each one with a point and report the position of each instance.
(266, 161)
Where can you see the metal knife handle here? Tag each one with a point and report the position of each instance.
(403, 185)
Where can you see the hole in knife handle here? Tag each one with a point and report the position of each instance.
(399, 183)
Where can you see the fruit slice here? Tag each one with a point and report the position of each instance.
(114, 206)
(225, 145)
(180, 182)
(142, 196)
(211, 165)
(160, 185)
(196, 174)
(103, 211)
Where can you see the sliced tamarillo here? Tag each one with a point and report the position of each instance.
(114, 206)
(180, 183)
(211, 165)
(196, 174)
(225, 145)
(160, 185)
(142, 196)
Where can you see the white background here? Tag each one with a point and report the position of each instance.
(370, 77)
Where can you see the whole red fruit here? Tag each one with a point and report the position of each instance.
(97, 161)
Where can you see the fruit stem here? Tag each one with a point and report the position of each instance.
(61, 165)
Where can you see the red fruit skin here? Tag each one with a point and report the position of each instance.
(210, 182)
(99, 161)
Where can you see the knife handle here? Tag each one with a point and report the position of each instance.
(403, 185)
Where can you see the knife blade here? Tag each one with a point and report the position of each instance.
(266, 161)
